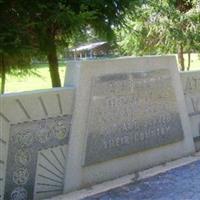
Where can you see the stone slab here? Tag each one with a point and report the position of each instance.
(191, 87)
(109, 95)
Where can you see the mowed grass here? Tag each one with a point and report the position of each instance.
(29, 83)
(195, 62)
(33, 82)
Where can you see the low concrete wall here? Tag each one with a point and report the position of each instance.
(34, 134)
(113, 118)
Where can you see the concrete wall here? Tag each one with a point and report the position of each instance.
(34, 134)
(114, 117)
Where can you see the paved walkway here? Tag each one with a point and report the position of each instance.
(182, 183)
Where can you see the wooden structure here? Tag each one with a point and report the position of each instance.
(92, 50)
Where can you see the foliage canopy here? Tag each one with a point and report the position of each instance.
(50, 24)
(160, 27)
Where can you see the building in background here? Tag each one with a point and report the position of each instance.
(90, 51)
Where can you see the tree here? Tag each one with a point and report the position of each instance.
(16, 63)
(14, 52)
(162, 27)
(52, 23)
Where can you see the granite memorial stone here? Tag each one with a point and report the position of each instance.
(129, 115)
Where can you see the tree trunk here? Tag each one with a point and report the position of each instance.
(181, 58)
(3, 75)
(53, 65)
(189, 60)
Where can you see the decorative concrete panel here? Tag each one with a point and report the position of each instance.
(26, 139)
(31, 123)
(50, 172)
(129, 112)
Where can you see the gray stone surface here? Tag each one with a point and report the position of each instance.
(191, 87)
(177, 184)
(129, 112)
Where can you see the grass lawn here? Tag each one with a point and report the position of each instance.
(195, 62)
(28, 83)
(33, 82)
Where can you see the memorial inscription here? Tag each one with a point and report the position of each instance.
(131, 112)
(191, 85)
